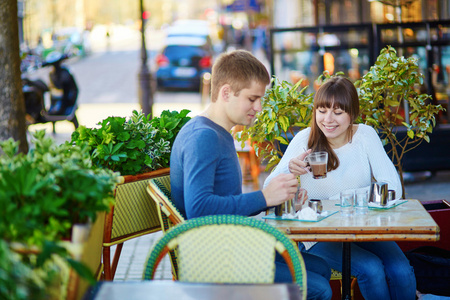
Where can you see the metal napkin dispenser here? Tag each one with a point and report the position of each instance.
(378, 193)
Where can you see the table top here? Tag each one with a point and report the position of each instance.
(407, 221)
(169, 290)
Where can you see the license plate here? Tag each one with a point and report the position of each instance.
(185, 72)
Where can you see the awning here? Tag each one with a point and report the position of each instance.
(244, 5)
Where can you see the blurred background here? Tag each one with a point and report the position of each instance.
(299, 39)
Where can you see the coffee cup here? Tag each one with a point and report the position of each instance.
(318, 164)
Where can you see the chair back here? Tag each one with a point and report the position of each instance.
(169, 216)
(227, 249)
(134, 211)
(133, 215)
(159, 191)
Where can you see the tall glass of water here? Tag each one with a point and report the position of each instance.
(347, 202)
(361, 202)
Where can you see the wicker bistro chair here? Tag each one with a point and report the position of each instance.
(227, 249)
(336, 275)
(169, 216)
(133, 215)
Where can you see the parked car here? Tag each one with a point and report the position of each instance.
(183, 62)
(189, 28)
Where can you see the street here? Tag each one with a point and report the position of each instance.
(108, 81)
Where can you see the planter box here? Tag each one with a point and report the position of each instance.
(88, 252)
(440, 211)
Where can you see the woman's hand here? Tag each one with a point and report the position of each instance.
(298, 165)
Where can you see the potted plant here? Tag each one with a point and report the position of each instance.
(44, 193)
(51, 188)
(134, 146)
(139, 149)
(286, 109)
(390, 83)
(18, 280)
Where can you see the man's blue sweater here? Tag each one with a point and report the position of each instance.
(205, 175)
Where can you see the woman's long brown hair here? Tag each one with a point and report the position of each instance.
(336, 92)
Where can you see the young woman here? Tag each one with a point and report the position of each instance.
(355, 157)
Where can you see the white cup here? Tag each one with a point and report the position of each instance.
(361, 202)
(347, 202)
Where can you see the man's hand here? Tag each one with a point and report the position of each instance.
(298, 165)
(280, 189)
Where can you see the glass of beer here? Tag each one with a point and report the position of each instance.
(318, 163)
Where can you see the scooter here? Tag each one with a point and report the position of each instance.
(63, 94)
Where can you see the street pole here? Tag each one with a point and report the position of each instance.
(145, 89)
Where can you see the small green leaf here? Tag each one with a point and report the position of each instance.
(410, 134)
(284, 122)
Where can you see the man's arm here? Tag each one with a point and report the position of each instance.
(212, 180)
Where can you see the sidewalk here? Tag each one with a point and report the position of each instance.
(133, 259)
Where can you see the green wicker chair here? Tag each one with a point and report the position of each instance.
(227, 249)
(169, 216)
(336, 275)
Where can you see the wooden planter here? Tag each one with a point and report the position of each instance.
(440, 211)
(134, 214)
(87, 250)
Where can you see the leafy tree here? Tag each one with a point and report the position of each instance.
(391, 81)
(285, 110)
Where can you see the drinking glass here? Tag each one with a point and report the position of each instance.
(361, 202)
(347, 202)
(318, 163)
(287, 209)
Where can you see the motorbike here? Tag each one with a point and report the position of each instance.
(63, 93)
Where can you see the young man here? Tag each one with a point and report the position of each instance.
(206, 178)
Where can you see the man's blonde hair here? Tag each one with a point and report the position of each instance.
(238, 69)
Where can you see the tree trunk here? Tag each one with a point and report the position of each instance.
(12, 106)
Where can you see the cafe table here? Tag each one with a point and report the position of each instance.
(170, 290)
(408, 221)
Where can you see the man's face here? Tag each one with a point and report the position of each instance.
(242, 108)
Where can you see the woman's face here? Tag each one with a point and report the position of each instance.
(333, 122)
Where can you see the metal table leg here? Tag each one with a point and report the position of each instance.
(346, 271)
